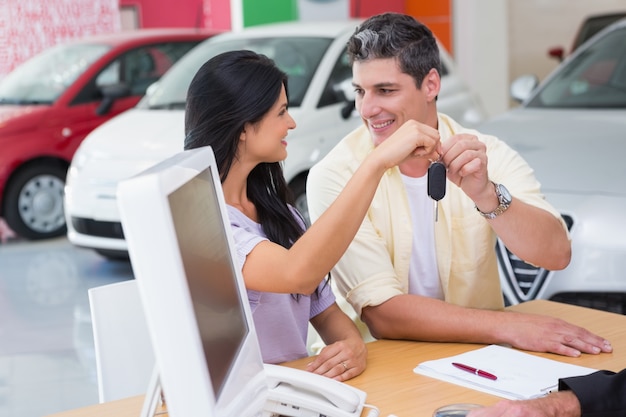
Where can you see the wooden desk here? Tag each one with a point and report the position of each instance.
(394, 388)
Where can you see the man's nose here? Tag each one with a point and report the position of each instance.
(367, 106)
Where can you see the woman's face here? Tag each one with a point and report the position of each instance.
(265, 140)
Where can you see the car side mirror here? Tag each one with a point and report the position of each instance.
(557, 53)
(523, 86)
(345, 89)
(110, 93)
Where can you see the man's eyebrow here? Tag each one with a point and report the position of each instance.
(385, 84)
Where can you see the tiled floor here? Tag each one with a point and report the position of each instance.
(47, 360)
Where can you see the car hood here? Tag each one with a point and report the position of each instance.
(573, 151)
(139, 134)
(135, 133)
(14, 118)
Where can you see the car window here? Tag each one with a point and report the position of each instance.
(43, 78)
(299, 57)
(594, 78)
(137, 69)
(342, 70)
(593, 25)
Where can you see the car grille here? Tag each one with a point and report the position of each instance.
(523, 278)
(613, 302)
(92, 227)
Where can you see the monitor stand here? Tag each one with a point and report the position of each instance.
(154, 396)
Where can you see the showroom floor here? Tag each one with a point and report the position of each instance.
(47, 360)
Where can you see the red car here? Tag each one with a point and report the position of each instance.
(52, 101)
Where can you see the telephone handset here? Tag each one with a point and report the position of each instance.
(297, 393)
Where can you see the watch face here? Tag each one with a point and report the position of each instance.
(506, 196)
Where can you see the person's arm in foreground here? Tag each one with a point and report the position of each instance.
(558, 404)
(345, 354)
(601, 393)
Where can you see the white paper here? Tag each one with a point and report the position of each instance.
(520, 375)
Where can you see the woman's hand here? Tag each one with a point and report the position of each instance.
(345, 355)
(412, 140)
(341, 360)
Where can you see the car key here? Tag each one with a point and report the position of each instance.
(437, 183)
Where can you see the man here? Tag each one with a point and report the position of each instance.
(411, 273)
(601, 394)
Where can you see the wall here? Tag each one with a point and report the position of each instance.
(27, 27)
(496, 41)
(535, 26)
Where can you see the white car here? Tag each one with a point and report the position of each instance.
(571, 129)
(312, 54)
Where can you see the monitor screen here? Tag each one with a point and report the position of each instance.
(180, 245)
(210, 275)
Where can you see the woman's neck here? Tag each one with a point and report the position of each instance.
(235, 189)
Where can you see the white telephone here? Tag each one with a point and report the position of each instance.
(297, 393)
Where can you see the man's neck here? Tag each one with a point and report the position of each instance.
(414, 168)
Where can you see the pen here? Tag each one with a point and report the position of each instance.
(475, 371)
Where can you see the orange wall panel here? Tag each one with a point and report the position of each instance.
(437, 15)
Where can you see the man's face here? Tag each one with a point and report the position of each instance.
(387, 97)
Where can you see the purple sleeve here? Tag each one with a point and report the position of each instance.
(244, 235)
(322, 299)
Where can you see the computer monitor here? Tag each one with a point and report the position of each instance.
(180, 246)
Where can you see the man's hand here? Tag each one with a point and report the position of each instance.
(466, 159)
(548, 334)
(559, 404)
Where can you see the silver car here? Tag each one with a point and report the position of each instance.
(572, 131)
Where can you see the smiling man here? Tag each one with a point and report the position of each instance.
(411, 273)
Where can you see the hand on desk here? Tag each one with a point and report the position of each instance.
(548, 334)
(559, 404)
(340, 360)
(345, 355)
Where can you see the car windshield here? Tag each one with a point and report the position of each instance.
(43, 78)
(594, 78)
(296, 56)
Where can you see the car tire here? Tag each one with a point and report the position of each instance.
(33, 203)
(298, 188)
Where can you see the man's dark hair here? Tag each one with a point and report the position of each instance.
(395, 35)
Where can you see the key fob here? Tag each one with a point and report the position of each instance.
(436, 181)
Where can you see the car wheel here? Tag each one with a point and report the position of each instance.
(298, 187)
(34, 202)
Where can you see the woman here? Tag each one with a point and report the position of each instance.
(237, 104)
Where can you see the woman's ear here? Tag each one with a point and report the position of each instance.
(431, 84)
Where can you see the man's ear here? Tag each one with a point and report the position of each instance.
(431, 84)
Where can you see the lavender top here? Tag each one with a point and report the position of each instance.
(281, 320)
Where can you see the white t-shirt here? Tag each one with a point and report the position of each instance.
(423, 272)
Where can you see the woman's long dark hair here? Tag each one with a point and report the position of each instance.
(228, 91)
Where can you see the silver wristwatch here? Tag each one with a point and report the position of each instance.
(504, 197)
